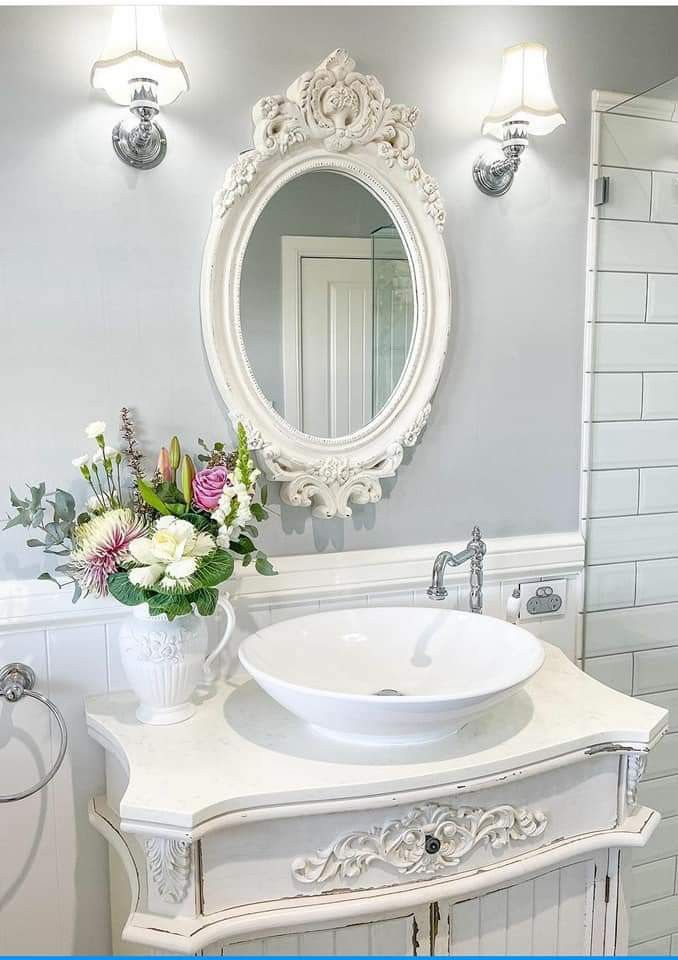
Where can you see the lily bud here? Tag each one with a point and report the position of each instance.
(164, 466)
(175, 453)
(187, 475)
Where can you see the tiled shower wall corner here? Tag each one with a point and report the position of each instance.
(630, 489)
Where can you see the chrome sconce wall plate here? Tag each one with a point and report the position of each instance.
(138, 69)
(524, 105)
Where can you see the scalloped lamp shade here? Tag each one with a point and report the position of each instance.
(524, 92)
(138, 48)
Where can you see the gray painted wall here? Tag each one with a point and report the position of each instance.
(99, 265)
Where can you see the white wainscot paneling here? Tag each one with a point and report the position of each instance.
(610, 585)
(662, 298)
(617, 396)
(664, 197)
(615, 671)
(651, 881)
(657, 582)
(613, 493)
(638, 142)
(629, 197)
(661, 794)
(620, 297)
(616, 539)
(643, 443)
(638, 247)
(636, 346)
(659, 490)
(637, 628)
(660, 396)
(655, 670)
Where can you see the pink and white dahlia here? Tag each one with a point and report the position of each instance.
(102, 548)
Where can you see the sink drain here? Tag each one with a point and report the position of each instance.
(387, 692)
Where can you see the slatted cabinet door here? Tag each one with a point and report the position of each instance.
(391, 936)
(556, 913)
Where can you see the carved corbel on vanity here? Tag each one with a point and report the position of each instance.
(235, 828)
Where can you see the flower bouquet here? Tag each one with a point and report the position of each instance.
(162, 545)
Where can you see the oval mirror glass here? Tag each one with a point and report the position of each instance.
(327, 305)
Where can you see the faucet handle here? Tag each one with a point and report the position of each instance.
(476, 542)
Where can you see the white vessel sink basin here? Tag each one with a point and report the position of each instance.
(390, 674)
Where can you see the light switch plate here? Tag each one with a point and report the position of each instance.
(543, 599)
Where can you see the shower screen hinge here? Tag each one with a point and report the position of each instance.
(601, 191)
(607, 889)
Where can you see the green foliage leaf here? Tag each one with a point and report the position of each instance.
(201, 521)
(258, 512)
(119, 586)
(264, 567)
(205, 600)
(264, 496)
(170, 493)
(150, 497)
(171, 604)
(214, 569)
(242, 545)
(247, 559)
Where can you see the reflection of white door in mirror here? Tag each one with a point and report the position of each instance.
(327, 334)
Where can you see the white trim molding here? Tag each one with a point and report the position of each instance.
(26, 604)
(336, 119)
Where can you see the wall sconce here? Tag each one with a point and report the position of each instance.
(138, 69)
(524, 104)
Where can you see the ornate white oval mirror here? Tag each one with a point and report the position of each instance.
(325, 288)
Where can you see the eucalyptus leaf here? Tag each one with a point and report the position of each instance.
(264, 567)
(15, 500)
(35, 543)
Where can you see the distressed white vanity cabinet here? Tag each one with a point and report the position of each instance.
(243, 831)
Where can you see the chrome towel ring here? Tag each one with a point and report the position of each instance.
(16, 681)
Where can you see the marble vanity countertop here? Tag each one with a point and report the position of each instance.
(243, 755)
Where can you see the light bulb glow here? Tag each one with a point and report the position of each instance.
(137, 47)
(524, 93)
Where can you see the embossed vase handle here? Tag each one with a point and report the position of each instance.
(225, 605)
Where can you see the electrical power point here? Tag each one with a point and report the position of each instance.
(543, 599)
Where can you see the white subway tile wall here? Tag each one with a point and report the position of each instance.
(631, 522)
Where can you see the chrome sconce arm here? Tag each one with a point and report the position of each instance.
(139, 140)
(495, 176)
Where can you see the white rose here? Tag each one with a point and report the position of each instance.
(95, 429)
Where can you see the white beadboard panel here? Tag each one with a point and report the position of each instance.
(613, 493)
(655, 670)
(651, 920)
(663, 843)
(660, 396)
(629, 194)
(636, 246)
(657, 582)
(661, 947)
(636, 347)
(644, 443)
(664, 197)
(615, 671)
(617, 396)
(637, 628)
(662, 298)
(614, 539)
(621, 297)
(652, 881)
(658, 490)
(638, 142)
(610, 585)
(668, 699)
(663, 759)
(660, 794)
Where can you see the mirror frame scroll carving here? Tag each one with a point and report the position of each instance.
(336, 119)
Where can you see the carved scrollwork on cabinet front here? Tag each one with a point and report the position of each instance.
(428, 840)
(635, 769)
(169, 867)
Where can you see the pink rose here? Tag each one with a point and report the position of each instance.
(208, 485)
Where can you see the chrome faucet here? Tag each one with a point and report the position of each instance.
(475, 551)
